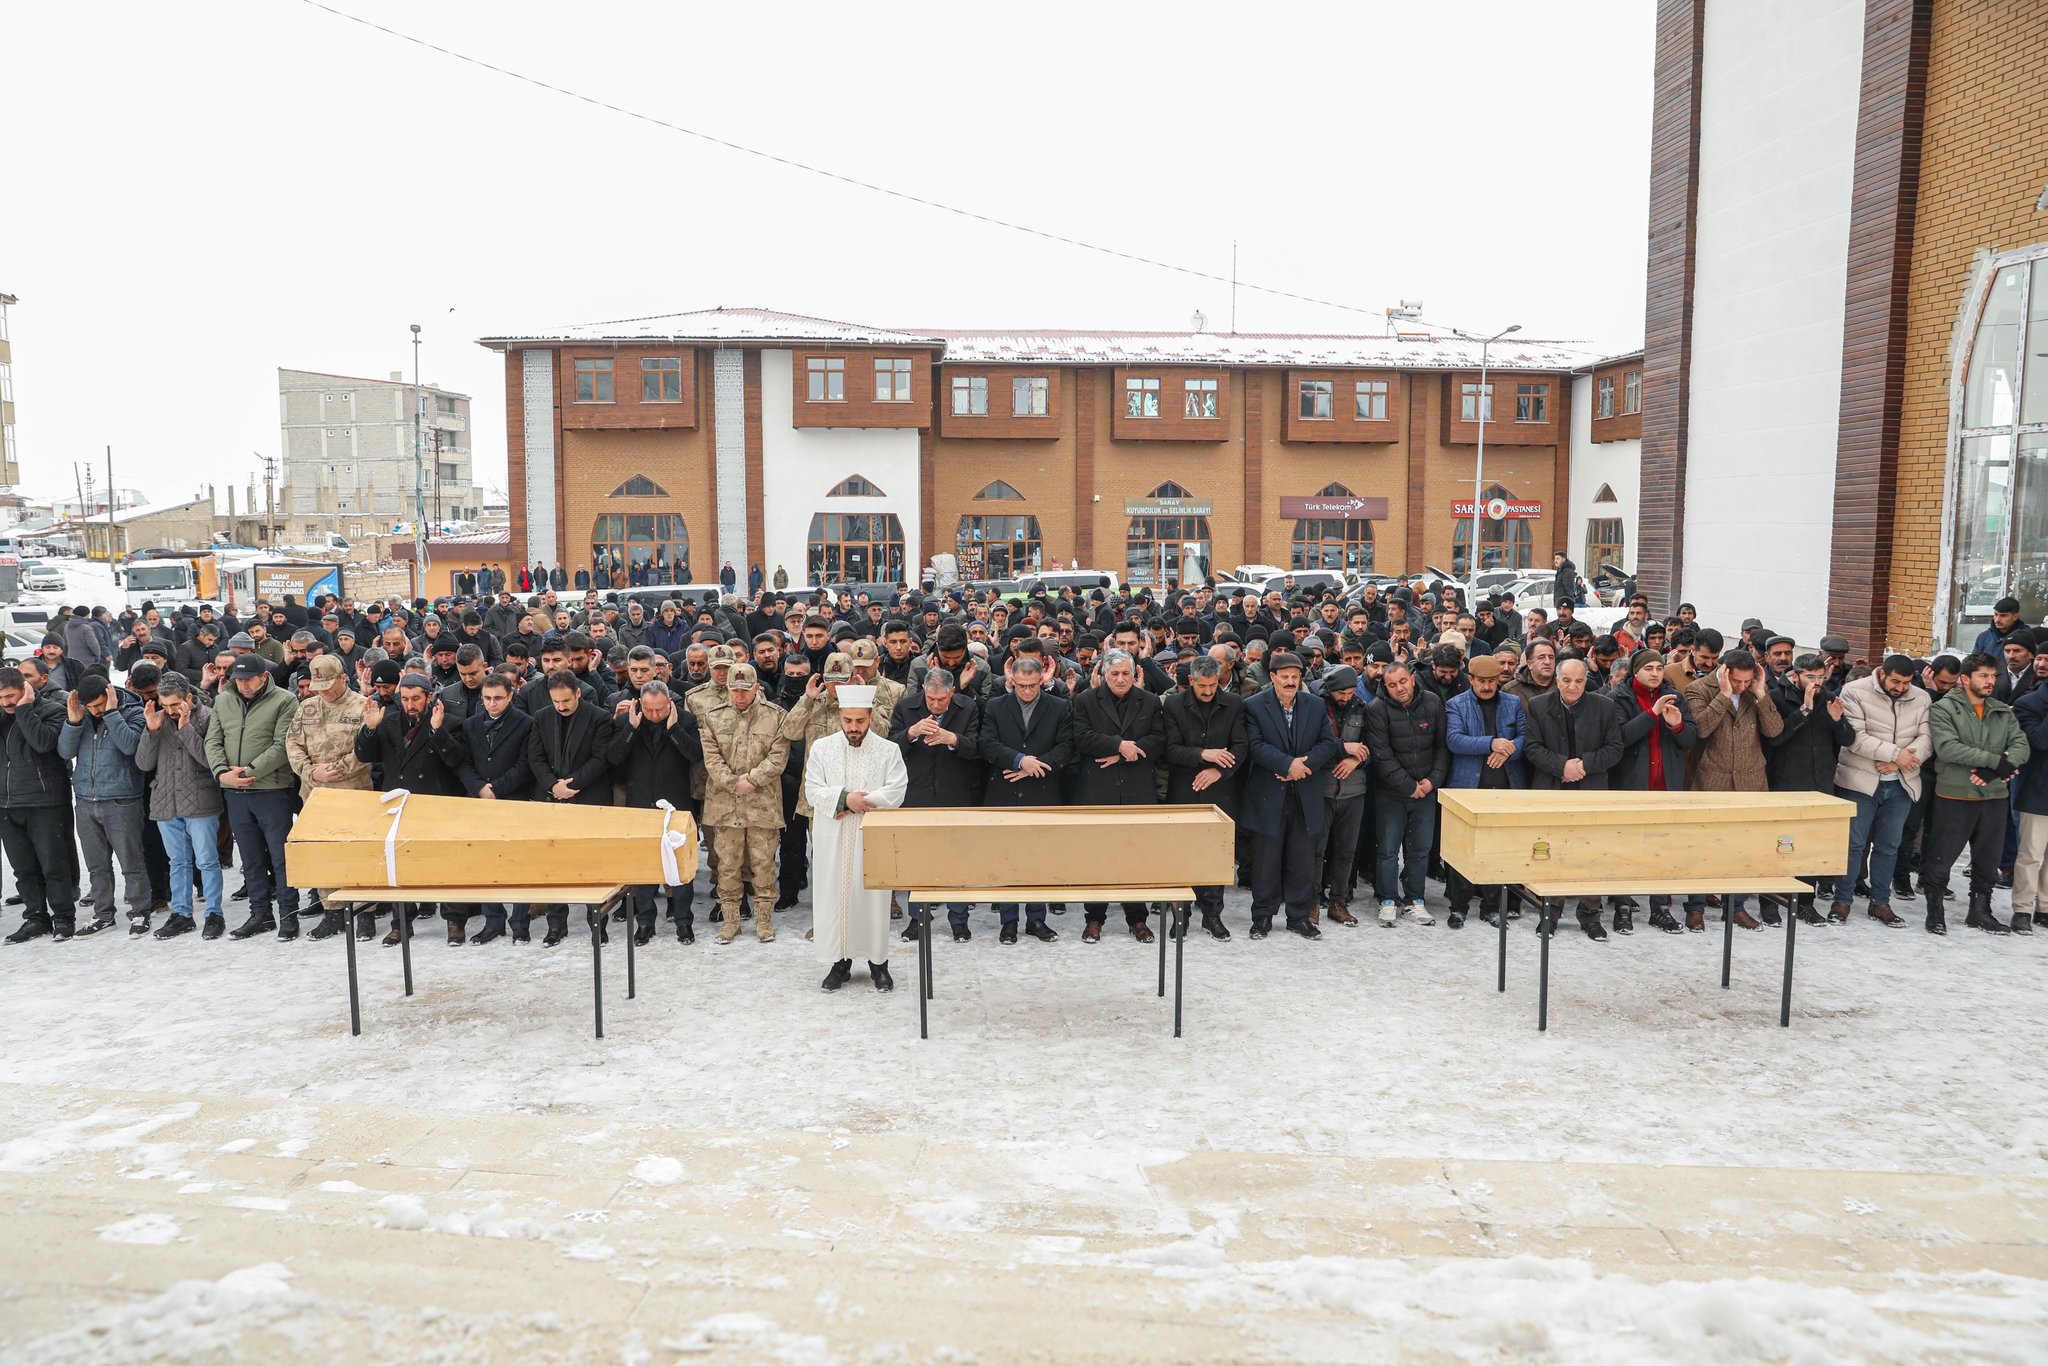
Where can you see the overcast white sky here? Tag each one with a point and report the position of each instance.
(194, 195)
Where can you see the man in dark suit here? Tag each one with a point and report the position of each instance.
(939, 731)
(1289, 741)
(654, 741)
(1027, 737)
(488, 753)
(1119, 739)
(565, 751)
(400, 740)
(1206, 744)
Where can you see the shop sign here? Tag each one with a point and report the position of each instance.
(1168, 507)
(1342, 508)
(1498, 509)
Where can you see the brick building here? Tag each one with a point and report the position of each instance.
(841, 452)
(1846, 324)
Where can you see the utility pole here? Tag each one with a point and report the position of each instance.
(110, 505)
(419, 488)
(437, 476)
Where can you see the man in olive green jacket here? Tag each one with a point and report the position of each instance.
(1978, 745)
(245, 747)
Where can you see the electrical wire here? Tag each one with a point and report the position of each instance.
(872, 187)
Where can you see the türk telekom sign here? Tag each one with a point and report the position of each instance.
(1498, 509)
(1350, 508)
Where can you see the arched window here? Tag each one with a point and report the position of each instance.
(998, 489)
(855, 486)
(856, 547)
(1606, 494)
(998, 547)
(639, 486)
(1504, 544)
(1334, 543)
(1158, 542)
(631, 549)
(1998, 491)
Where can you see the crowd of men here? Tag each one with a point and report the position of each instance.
(143, 753)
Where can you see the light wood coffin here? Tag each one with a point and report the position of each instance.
(1033, 846)
(338, 841)
(1555, 837)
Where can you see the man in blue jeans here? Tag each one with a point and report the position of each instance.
(1880, 771)
(245, 747)
(1410, 760)
(184, 800)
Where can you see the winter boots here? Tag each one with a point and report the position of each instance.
(1980, 916)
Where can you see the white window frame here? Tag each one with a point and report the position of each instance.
(1603, 405)
(1036, 391)
(975, 389)
(1631, 392)
(1470, 409)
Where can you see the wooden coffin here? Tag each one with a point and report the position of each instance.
(338, 841)
(1036, 846)
(1652, 837)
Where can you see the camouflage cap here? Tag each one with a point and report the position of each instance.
(862, 650)
(838, 668)
(742, 678)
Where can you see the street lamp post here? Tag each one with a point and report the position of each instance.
(1479, 462)
(419, 488)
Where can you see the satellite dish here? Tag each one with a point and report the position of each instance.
(1199, 320)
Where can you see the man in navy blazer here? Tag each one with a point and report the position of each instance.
(1282, 805)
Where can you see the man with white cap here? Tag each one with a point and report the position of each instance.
(847, 775)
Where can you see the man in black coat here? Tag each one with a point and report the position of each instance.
(1206, 744)
(1411, 758)
(488, 752)
(566, 753)
(401, 741)
(463, 699)
(653, 743)
(1027, 737)
(1119, 739)
(939, 731)
(1803, 755)
(35, 808)
(1573, 741)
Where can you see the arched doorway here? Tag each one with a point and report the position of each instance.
(1334, 543)
(1157, 541)
(856, 547)
(640, 548)
(1504, 544)
(998, 545)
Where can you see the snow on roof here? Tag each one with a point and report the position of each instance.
(725, 324)
(1006, 346)
(1589, 366)
(136, 514)
(1253, 348)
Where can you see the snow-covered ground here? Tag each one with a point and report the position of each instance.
(1905, 1051)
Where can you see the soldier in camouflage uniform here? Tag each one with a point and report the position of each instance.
(867, 669)
(320, 744)
(816, 714)
(744, 754)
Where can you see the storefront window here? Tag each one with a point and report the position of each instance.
(1334, 543)
(856, 547)
(998, 547)
(1504, 544)
(2000, 463)
(1158, 545)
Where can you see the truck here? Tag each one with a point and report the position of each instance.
(226, 580)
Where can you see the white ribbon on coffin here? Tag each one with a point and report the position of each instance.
(394, 807)
(671, 840)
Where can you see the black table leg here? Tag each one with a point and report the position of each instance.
(924, 978)
(1165, 931)
(403, 910)
(1508, 898)
(1727, 938)
(929, 969)
(355, 999)
(1785, 998)
(1180, 954)
(596, 969)
(632, 933)
(1543, 928)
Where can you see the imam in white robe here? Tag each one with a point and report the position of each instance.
(848, 920)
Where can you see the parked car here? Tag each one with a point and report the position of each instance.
(42, 578)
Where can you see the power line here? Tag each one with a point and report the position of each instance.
(854, 181)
